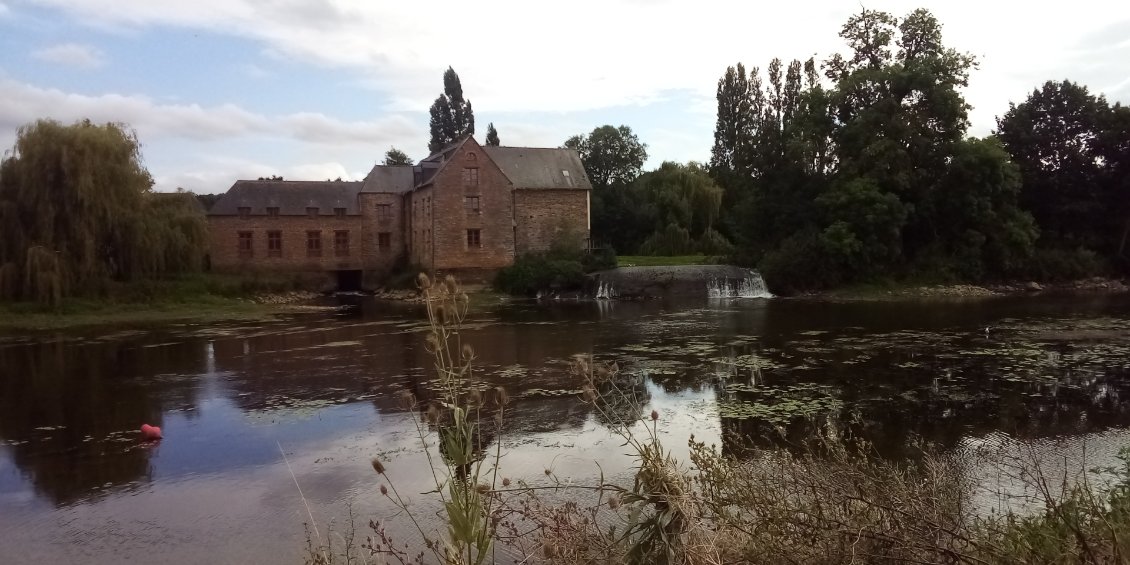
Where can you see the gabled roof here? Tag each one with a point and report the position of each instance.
(290, 197)
(532, 167)
(396, 179)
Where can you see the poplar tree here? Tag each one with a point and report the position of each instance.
(492, 135)
(451, 114)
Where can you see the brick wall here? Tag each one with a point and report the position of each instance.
(543, 216)
(452, 219)
(419, 233)
(223, 232)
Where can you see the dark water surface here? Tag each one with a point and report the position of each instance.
(77, 485)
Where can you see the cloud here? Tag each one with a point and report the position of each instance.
(4, 11)
(71, 55)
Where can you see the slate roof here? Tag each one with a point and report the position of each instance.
(291, 197)
(397, 179)
(530, 167)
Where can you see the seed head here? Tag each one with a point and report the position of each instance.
(614, 502)
(468, 352)
(451, 285)
(475, 397)
(423, 281)
(505, 482)
(548, 472)
(407, 400)
(590, 394)
(384, 490)
(432, 415)
(482, 489)
(500, 396)
(378, 466)
(654, 415)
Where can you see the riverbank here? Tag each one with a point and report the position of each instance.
(909, 291)
(198, 299)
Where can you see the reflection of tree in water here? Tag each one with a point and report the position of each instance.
(90, 397)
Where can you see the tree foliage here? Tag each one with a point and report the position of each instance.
(613, 156)
(395, 157)
(77, 211)
(492, 135)
(452, 117)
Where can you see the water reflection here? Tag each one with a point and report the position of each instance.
(757, 373)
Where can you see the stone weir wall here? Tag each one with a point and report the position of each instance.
(652, 282)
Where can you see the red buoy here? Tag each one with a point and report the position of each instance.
(150, 433)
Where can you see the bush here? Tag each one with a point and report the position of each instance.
(599, 260)
(1058, 264)
(535, 272)
(801, 263)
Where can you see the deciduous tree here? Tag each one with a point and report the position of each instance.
(451, 115)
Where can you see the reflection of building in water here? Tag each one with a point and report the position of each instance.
(70, 412)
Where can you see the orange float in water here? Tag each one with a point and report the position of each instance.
(150, 433)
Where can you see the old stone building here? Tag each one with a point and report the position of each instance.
(467, 210)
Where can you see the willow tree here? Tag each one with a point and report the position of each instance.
(77, 211)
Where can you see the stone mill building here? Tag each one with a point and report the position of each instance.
(466, 210)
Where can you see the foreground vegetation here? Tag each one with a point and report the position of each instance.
(831, 500)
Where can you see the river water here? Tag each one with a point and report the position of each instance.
(78, 486)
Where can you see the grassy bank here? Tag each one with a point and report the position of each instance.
(198, 298)
(656, 261)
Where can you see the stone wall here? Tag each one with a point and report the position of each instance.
(378, 259)
(544, 216)
(494, 219)
(223, 232)
(419, 233)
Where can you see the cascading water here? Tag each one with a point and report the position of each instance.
(605, 291)
(752, 286)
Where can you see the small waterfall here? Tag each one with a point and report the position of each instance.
(605, 291)
(752, 286)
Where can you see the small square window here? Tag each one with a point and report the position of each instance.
(474, 238)
(384, 212)
(384, 241)
(471, 204)
(244, 212)
(339, 212)
(341, 243)
(312, 211)
(274, 244)
(245, 244)
(313, 244)
(273, 211)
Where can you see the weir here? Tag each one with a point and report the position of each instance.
(751, 286)
(712, 281)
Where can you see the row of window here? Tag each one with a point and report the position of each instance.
(384, 212)
(313, 243)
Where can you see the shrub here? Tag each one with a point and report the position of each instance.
(1058, 264)
(802, 262)
(599, 260)
(535, 272)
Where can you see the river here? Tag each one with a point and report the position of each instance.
(78, 486)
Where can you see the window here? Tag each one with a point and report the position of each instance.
(312, 211)
(244, 212)
(471, 204)
(339, 212)
(273, 211)
(274, 244)
(245, 247)
(341, 243)
(384, 212)
(313, 244)
(384, 241)
(471, 156)
(474, 239)
(470, 176)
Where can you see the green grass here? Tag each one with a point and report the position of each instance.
(650, 261)
(195, 298)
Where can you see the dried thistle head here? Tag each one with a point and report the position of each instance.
(505, 482)
(589, 394)
(384, 490)
(432, 415)
(475, 397)
(432, 341)
(468, 352)
(654, 415)
(423, 281)
(500, 396)
(548, 472)
(452, 286)
(482, 488)
(407, 400)
(378, 466)
(614, 502)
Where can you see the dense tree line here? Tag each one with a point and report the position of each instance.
(77, 212)
(861, 167)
